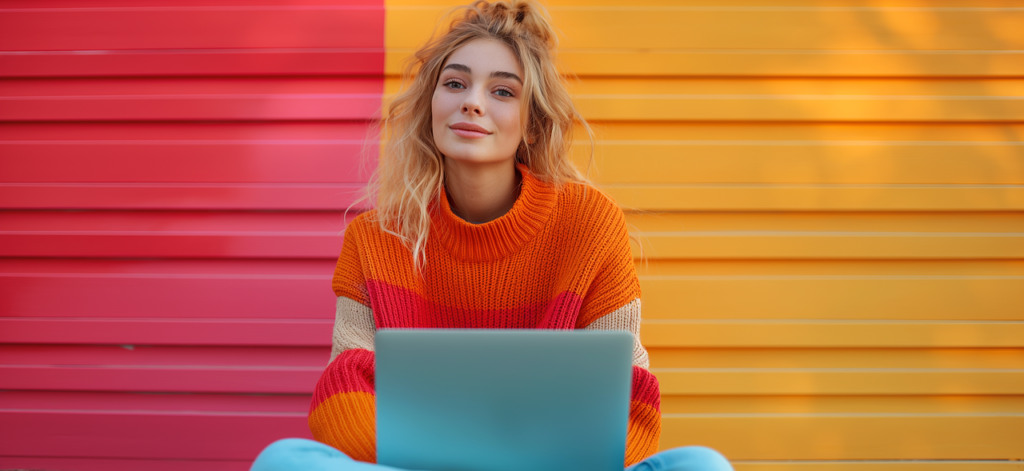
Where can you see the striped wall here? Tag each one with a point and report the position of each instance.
(829, 198)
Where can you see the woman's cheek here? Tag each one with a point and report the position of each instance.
(511, 124)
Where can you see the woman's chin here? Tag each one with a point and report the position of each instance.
(478, 158)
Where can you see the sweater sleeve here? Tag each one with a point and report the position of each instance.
(343, 411)
(613, 303)
(645, 402)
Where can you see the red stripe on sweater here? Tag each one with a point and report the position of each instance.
(645, 388)
(397, 307)
(351, 371)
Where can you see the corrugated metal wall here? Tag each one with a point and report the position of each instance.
(174, 180)
(830, 198)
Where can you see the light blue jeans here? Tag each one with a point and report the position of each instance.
(299, 454)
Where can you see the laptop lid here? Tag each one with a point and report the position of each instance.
(502, 400)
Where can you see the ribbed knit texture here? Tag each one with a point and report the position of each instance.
(559, 259)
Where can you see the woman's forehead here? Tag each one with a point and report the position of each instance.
(484, 56)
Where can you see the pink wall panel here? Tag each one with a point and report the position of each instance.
(83, 430)
(219, 62)
(177, 234)
(120, 464)
(178, 38)
(159, 26)
(189, 99)
(87, 401)
(226, 161)
(222, 379)
(162, 331)
(172, 196)
(158, 356)
(145, 434)
(237, 293)
(174, 178)
(224, 166)
(129, 368)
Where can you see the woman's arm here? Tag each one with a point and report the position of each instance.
(645, 404)
(612, 302)
(343, 411)
(353, 327)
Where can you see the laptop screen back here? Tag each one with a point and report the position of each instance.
(502, 400)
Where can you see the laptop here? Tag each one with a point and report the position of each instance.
(502, 400)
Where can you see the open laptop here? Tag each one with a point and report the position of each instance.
(502, 400)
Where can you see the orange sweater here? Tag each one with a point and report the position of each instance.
(559, 259)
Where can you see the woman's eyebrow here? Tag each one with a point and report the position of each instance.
(507, 75)
(498, 74)
(459, 67)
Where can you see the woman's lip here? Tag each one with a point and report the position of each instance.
(470, 127)
(468, 133)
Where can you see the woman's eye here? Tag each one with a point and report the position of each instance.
(453, 84)
(504, 92)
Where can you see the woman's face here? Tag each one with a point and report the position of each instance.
(476, 104)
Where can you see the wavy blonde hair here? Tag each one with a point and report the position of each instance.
(410, 173)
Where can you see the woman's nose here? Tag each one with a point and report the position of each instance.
(472, 104)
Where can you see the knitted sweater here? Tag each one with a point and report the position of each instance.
(559, 259)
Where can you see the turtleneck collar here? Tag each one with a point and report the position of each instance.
(498, 238)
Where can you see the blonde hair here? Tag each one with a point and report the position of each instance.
(410, 173)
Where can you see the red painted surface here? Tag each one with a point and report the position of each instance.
(162, 357)
(189, 99)
(213, 379)
(206, 331)
(170, 196)
(261, 289)
(145, 434)
(173, 183)
(224, 62)
(225, 38)
(167, 234)
(199, 402)
(207, 159)
(224, 166)
(101, 464)
(163, 25)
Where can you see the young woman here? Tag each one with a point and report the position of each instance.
(481, 221)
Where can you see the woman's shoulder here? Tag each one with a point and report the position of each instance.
(364, 225)
(366, 230)
(585, 199)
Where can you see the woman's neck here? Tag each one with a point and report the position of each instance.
(481, 193)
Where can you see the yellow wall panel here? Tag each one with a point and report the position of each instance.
(862, 436)
(881, 381)
(831, 334)
(880, 465)
(864, 133)
(806, 88)
(864, 222)
(828, 245)
(759, 38)
(753, 63)
(782, 197)
(827, 236)
(711, 27)
(749, 63)
(650, 99)
(925, 404)
(864, 269)
(772, 27)
(870, 358)
(809, 161)
(865, 297)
